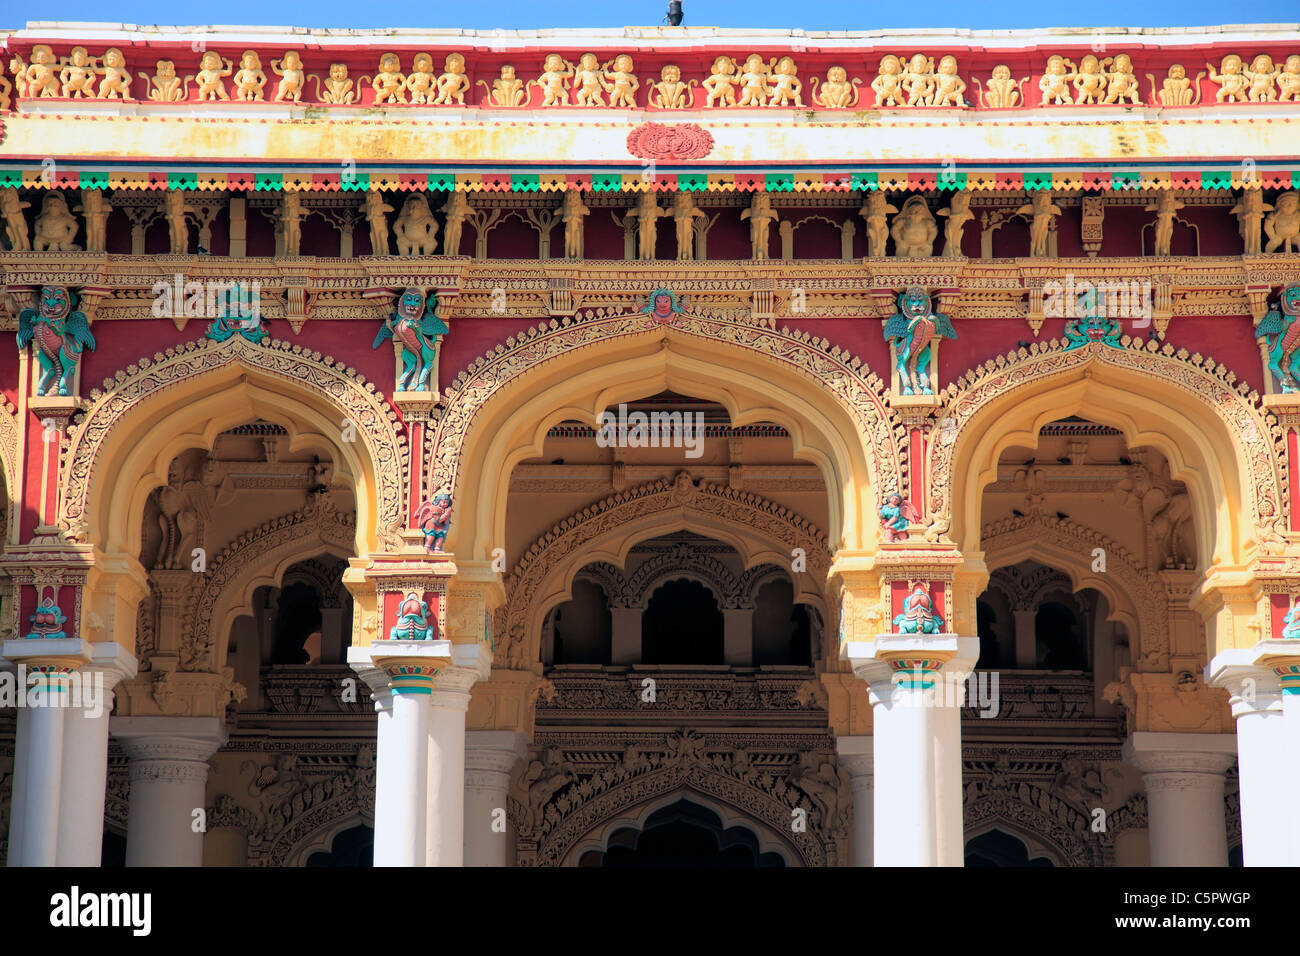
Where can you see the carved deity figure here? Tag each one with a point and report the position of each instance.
(61, 332)
(1177, 89)
(837, 93)
(1249, 210)
(896, 514)
(1280, 330)
(178, 230)
(755, 79)
(914, 229)
(415, 326)
(508, 89)
(213, 69)
(1282, 225)
(1263, 77)
(621, 83)
(96, 210)
(1231, 77)
(48, 620)
(1166, 209)
(1093, 324)
(588, 81)
(761, 215)
(670, 93)
(787, 89)
(434, 519)
(541, 782)
(338, 86)
(1290, 623)
(1002, 91)
(240, 314)
(55, 226)
(420, 82)
(721, 83)
(77, 77)
(918, 80)
(293, 78)
(116, 82)
(1090, 80)
(919, 615)
(1055, 81)
(291, 222)
(912, 330)
(11, 209)
(949, 88)
(556, 71)
(888, 83)
(164, 86)
(1288, 81)
(647, 214)
(684, 213)
(1041, 213)
(1121, 84)
(412, 620)
(389, 83)
(457, 209)
(874, 211)
(40, 76)
(375, 209)
(958, 213)
(453, 84)
(250, 81)
(573, 212)
(416, 230)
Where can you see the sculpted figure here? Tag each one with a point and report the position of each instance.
(1288, 80)
(19, 69)
(174, 209)
(250, 81)
(1001, 91)
(291, 222)
(684, 213)
(958, 214)
(1283, 224)
(721, 84)
(293, 78)
(670, 93)
(573, 212)
(96, 210)
(434, 519)
(918, 80)
(919, 615)
(457, 209)
(453, 84)
(1166, 209)
(39, 75)
(761, 215)
(1232, 81)
(55, 226)
(556, 71)
(1250, 211)
(874, 211)
(895, 516)
(60, 332)
(621, 83)
(1280, 330)
(338, 87)
(1177, 89)
(416, 327)
(1055, 81)
(508, 89)
(77, 78)
(754, 82)
(1041, 212)
(911, 330)
(420, 82)
(888, 83)
(948, 86)
(837, 93)
(11, 208)
(213, 68)
(786, 86)
(1090, 80)
(5, 89)
(389, 83)
(164, 86)
(116, 82)
(415, 229)
(1121, 84)
(589, 81)
(914, 229)
(1262, 76)
(412, 621)
(647, 214)
(374, 209)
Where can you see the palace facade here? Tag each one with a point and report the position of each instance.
(664, 445)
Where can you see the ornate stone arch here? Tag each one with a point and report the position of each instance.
(499, 410)
(762, 531)
(257, 557)
(752, 581)
(117, 438)
(680, 562)
(1212, 429)
(1137, 598)
(610, 580)
(326, 579)
(1026, 809)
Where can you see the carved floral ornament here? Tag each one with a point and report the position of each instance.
(615, 80)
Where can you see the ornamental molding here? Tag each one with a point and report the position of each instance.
(131, 389)
(10, 440)
(1259, 440)
(733, 591)
(670, 142)
(557, 548)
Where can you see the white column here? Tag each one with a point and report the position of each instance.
(169, 775)
(950, 817)
(1266, 705)
(446, 803)
(490, 755)
(402, 755)
(855, 755)
(18, 801)
(85, 756)
(1183, 774)
(738, 636)
(625, 635)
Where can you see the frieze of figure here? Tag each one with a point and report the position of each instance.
(1177, 88)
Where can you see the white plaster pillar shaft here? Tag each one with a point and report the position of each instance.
(1184, 776)
(445, 805)
(402, 757)
(41, 786)
(490, 755)
(949, 817)
(903, 732)
(855, 756)
(18, 802)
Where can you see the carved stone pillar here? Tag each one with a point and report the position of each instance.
(625, 635)
(490, 755)
(856, 757)
(738, 636)
(169, 775)
(1183, 774)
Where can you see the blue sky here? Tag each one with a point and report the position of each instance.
(533, 14)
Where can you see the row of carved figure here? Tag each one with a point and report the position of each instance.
(900, 82)
(913, 227)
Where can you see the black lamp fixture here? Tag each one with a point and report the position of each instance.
(674, 16)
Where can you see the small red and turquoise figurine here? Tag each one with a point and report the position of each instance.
(919, 615)
(417, 328)
(48, 620)
(60, 333)
(412, 621)
(434, 519)
(1281, 334)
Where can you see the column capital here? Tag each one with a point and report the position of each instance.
(1180, 761)
(420, 667)
(893, 657)
(857, 756)
(1257, 677)
(175, 748)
